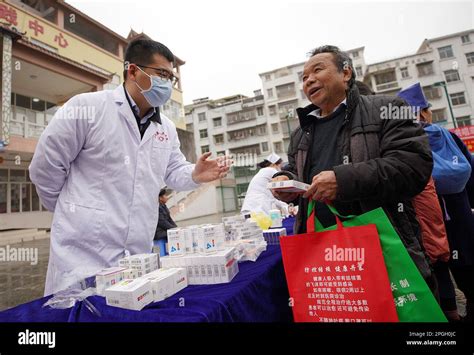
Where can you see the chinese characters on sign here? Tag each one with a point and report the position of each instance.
(8, 14)
(402, 299)
(337, 290)
(35, 28)
(466, 133)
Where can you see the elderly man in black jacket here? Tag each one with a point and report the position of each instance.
(354, 154)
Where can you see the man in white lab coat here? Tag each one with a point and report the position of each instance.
(100, 165)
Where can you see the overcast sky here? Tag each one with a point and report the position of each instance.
(226, 44)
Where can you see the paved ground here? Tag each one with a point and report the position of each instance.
(22, 282)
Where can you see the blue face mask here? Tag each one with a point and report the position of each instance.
(159, 92)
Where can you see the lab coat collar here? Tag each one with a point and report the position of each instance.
(126, 112)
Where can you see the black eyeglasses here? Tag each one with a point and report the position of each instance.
(162, 73)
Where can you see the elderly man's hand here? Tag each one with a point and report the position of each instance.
(284, 196)
(323, 187)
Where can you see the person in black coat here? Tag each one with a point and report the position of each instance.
(354, 155)
(165, 221)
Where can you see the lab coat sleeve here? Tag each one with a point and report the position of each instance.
(178, 174)
(281, 205)
(58, 146)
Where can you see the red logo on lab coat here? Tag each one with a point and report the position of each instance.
(161, 136)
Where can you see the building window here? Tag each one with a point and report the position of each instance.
(458, 98)
(425, 69)
(439, 115)
(404, 72)
(172, 109)
(359, 71)
(285, 90)
(470, 58)
(189, 127)
(259, 111)
(219, 139)
(445, 52)
(300, 76)
(204, 149)
(386, 81)
(355, 54)
(202, 117)
(275, 128)
(268, 77)
(383, 78)
(278, 146)
(242, 188)
(262, 130)
(463, 121)
(203, 133)
(23, 196)
(432, 92)
(3, 190)
(272, 110)
(451, 75)
(270, 93)
(465, 39)
(264, 147)
(81, 27)
(217, 121)
(221, 153)
(30, 115)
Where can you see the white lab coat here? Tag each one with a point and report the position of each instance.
(102, 182)
(259, 198)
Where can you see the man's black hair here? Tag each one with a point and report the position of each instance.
(265, 163)
(341, 59)
(141, 51)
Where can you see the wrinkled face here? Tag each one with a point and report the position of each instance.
(322, 81)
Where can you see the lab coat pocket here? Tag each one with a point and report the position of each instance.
(160, 156)
(82, 225)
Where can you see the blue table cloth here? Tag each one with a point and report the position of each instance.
(258, 293)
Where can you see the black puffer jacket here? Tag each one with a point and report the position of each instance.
(387, 163)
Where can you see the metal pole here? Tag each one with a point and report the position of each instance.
(443, 84)
(450, 107)
(288, 123)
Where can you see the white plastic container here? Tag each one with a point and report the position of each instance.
(207, 240)
(275, 216)
(176, 242)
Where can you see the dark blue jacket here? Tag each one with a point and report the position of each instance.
(458, 216)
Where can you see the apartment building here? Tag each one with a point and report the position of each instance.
(444, 66)
(236, 125)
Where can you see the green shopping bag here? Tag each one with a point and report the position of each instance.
(413, 298)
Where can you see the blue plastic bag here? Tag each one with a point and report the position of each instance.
(451, 170)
